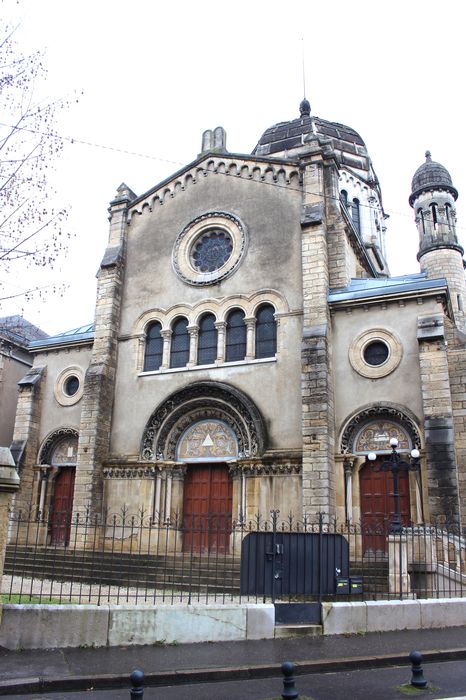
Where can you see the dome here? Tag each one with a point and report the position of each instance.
(431, 175)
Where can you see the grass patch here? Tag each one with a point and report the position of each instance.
(408, 689)
(31, 599)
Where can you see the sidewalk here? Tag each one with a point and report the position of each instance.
(40, 670)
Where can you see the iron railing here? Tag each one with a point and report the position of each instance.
(145, 559)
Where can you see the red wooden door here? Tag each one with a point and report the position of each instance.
(377, 505)
(207, 505)
(63, 506)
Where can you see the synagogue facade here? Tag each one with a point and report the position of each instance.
(250, 348)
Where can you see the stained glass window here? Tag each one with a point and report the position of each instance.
(211, 250)
(207, 344)
(154, 348)
(356, 215)
(179, 351)
(236, 336)
(266, 332)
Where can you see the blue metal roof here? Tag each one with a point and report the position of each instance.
(360, 289)
(75, 335)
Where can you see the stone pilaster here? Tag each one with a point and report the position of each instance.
(318, 476)
(97, 401)
(26, 433)
(441, 463)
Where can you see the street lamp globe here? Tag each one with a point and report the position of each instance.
(393, 442)
(415, 454)
(371, 456)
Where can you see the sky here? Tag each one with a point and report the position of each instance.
(152, 76)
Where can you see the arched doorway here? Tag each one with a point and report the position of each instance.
(376, 485)
(60, 453)
(206, 447)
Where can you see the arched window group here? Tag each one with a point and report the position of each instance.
(353, 207)
(236, 339)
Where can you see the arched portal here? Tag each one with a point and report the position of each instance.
(373, 486)
(206, 427)
(59, 454)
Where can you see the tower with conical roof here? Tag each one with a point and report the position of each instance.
(433, 199)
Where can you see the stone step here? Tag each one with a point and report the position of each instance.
(286, 630)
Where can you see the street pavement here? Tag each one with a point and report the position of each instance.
(446, 680)
(326, 667)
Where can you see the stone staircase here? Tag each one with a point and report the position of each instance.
(179, 572)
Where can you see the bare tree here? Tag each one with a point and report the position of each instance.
(31, 234)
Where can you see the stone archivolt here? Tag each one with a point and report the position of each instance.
(374, 413)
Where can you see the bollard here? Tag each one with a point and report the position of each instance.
(137, 679)
(289, 688)
(417, 678)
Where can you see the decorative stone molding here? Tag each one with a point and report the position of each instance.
(182, 258)
(369, 414)
(359, 345)
(60, 391)
(198, 402)
(130, 472)
(258, 468)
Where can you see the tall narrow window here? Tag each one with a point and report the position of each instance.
(179, 351)
(448, 215)
(266, 332)
(154, 348)
(356, 215)
(423, 223)
(236, 336)
(434, 215)
(344, 198)
(207, 345)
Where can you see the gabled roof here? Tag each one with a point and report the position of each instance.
(20, 331)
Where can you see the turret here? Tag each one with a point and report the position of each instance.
(433, 199)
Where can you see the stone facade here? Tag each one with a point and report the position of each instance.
(247, 330)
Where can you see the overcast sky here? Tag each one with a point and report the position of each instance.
(154, 75)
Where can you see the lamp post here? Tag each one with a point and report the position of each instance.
(396, 464)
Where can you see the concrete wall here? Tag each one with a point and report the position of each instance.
(53, 626)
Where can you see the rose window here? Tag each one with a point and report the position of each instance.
(211, 251)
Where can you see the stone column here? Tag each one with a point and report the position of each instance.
(9, 484)
(193, 344)
(250, 338)
(166, 335)
(221, 331)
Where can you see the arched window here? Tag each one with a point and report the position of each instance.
(266, 332)
(154, 348)
(448, 215)
(356, 215)
(344, 198)
(434, 214)
(421, 219)
(236, 336)
(179, 350)
(207, 345)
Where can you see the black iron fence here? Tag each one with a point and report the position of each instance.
(145, 559)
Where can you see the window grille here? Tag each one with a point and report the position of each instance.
(266, 332)
(236, 336)
(179, 351)
(154, 348)
(207, 344)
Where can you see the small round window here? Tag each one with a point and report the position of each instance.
(376, 353)
(211, 250)
(71, 385)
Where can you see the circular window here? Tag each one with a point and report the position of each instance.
(375, 353)
(209, 248)
(69, 386)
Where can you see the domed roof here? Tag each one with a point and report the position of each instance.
(431, 175)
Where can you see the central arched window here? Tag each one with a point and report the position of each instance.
(236, 336)
(154, 348)
(266, 332)
(434, 214)
(179, 350)
(207, 344)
